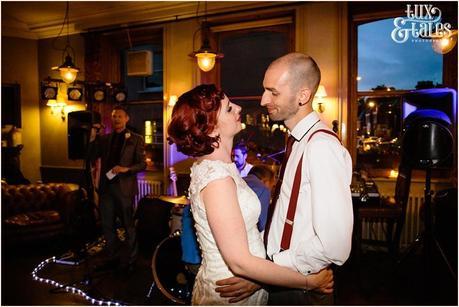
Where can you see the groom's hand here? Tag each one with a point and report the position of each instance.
(236, 288)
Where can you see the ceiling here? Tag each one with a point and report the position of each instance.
(44, 19)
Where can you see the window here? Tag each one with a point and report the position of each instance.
(382, 62)
(145, 104)
(386, 72)
(105, 59)
(248, 54)
(11, 105)
(378, 130)
(145, 88)
(140, 115)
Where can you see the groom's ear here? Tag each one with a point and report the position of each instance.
(304, 97)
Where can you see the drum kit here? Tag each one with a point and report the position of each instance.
(170, 274)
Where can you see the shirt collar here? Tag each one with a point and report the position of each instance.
(304, 125)
(122, 132)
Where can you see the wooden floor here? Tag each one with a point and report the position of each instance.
(374, 280)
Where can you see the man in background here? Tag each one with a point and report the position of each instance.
(240, 159)
(122, 156)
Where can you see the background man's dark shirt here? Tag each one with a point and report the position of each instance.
(115, 149)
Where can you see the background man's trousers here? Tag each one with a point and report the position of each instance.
(114, 204)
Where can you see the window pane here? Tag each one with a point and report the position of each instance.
(381, 61)
(247, 55)
(378, 131)
(144, 88)
(263, 137)
(139, 113)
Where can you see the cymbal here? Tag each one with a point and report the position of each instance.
(179, 200)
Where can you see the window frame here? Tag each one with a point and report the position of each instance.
(289, 29)
(284, 23)
(365, 12)
(362, 16)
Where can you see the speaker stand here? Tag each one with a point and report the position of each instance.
(426, 238)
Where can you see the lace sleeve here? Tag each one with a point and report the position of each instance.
(207, 172)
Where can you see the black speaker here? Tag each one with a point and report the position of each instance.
(79, 130)
(427, 140)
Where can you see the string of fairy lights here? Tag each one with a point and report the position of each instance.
(69, 288)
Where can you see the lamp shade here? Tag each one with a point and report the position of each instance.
(51, 103)
(444, 44)
(321, 92)
(205, 56)
(68, 74)
(68, 70)
(206, 60)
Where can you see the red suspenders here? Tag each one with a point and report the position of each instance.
(289, 220)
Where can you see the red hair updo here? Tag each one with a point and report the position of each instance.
(194, 117)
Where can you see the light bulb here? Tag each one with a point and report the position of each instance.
(206, 60)
(444, 44)
(68, 74)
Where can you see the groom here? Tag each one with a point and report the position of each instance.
(310, 220)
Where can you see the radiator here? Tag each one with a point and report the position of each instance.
(412, 227)
(148, 187)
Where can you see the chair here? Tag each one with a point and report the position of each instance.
(391, 210)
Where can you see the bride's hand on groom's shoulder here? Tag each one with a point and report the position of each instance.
(236, 288)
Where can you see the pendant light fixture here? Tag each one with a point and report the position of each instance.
(205, 55)
(443, 44)
(68, 71)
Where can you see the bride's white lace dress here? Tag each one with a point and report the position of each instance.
(213, 267)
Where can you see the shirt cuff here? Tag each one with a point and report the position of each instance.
(283, 258)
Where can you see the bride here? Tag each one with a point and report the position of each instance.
(203, 124)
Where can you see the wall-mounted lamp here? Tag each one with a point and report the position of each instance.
(320, 95)
(68, 71)
(59, 102)
(205, 55)
(57, 106)
(444, 43)
(172, 100)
